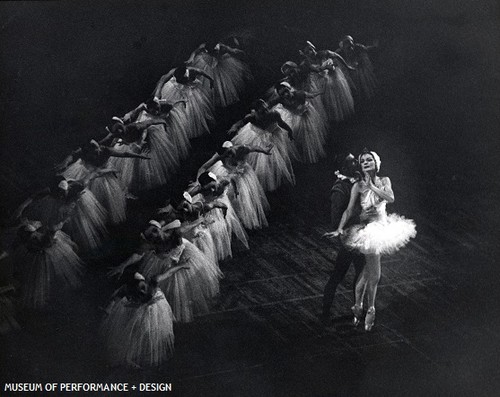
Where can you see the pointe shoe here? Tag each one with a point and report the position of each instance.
(370, 318)
(358, 312)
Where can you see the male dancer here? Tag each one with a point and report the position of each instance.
(339, 197)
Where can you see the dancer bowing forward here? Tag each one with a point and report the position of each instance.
(264, 127)
(376, 234)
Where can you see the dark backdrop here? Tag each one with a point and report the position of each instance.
(67, 67)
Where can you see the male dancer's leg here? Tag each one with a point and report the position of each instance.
(342, 263)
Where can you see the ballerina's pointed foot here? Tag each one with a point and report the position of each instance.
(357, 310)
(370, 319)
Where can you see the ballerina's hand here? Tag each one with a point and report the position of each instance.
(332, 235)
(117, 271)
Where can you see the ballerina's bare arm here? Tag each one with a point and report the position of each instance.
(75, 155)
(198, 50)
(126, 153)
(258, 149)
(231, 50)
(236, 126)
(216, 157)
(170, 272)
(334, 55)
(385, 193)
(133, 114)
(142, 125)
(162, 81)
(348, 212)
(201, 72)
(283, 124)
(118, 270)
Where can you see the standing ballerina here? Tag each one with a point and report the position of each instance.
(248, 197)
(377, 234)
(357, 56)
(325, 70)
(262, 128)
(92, 158)
(183, 83)
(229, 72)
(309, 128)
(138, 327)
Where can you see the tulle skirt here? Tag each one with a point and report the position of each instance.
(272, 170)
(46, 271)
(337, 99)
(314, 83)
(140, 174)
(191, 290)
(230, 76)
(140, 334)
(201, 237)
(383, 236)
(250, 204)
(106, 189)
(309, 131)
(364, 77)
(87, 222)
(177, 132)
(219, 229)
(199, 107)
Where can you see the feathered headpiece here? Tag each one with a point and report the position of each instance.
(375, 156)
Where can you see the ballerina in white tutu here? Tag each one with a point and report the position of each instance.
(87, 223)
(326, 72)
(378, 233)
(185, 83)
(265, 128)
(138, 327)
(230, 73)
(92, 158)
(248, 197)
(222, 223)
(363, 75)
(143, 132)
(46, 260)
(309, 128)
(189, 279)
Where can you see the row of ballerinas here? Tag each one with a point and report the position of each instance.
(175, 274)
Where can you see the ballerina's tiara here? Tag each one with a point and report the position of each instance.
(155, 223)
(172, 225)
(187, 197)
(227, 144)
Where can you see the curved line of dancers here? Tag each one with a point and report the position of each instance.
(174, 275)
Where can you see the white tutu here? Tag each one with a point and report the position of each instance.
(364, 77)
(272, 170)
(87, 223)
(218, 227)
(199, 109)
(45, 270)
(201, 237)
(337, 99)
(139, 333)
(230, 76)
(177, 132)
(314, 84)
(309, 131)
(189, 291)
(107, 189)
(141, 174)
(383, 236)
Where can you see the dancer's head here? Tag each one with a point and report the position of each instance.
(186, 203)
(208, 180)
(369, 161)
(181, 72)
(261, 106)
(346, 42)
(63, 188)
(288, 68)
(118, 129)
(153, 233)
(284, 89)
(140, 284)
(350, 166)
(309, 50)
